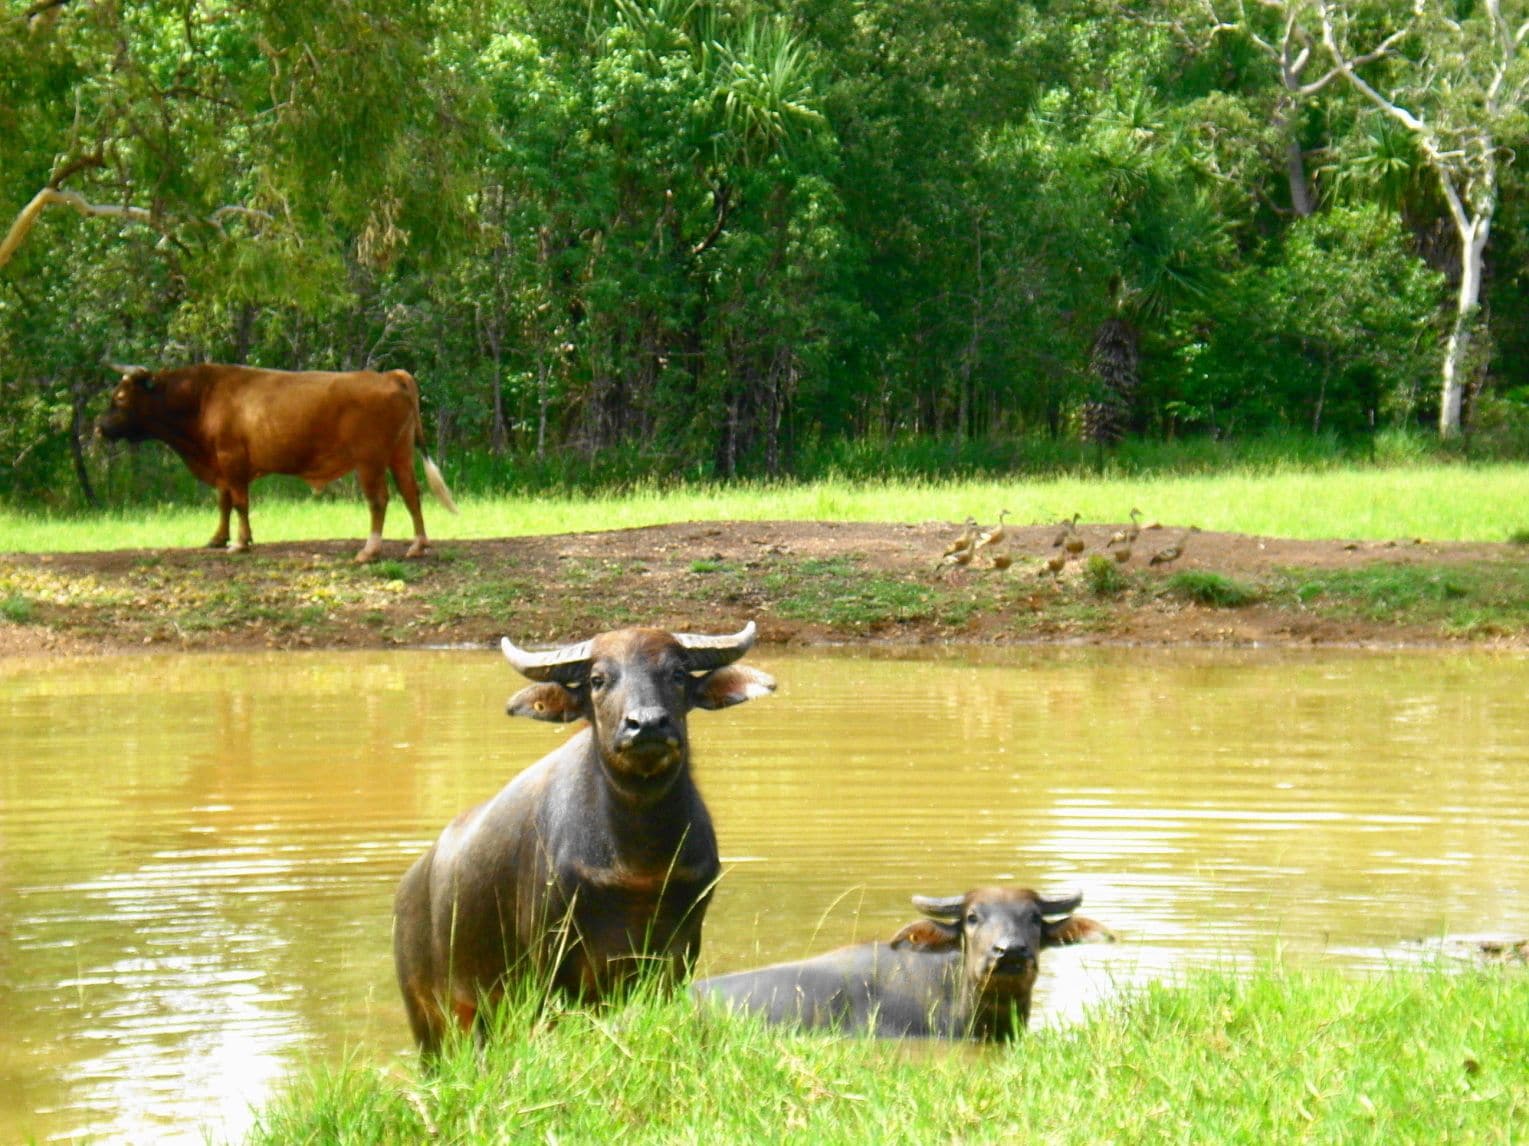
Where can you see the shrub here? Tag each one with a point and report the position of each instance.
(1212, 589)
(1104, 577)
(17, 609)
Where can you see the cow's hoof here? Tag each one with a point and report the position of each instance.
(241, 548)
(418, 549)
(218, 543)
(367, 556)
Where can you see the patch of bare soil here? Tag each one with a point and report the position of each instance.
(803, 582)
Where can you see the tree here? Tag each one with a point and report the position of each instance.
(1455, 78)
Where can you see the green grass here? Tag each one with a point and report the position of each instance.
(1104, 577)
(1437, 502)
(17, 609)
(1204, 588)
(1465, 599)
(838, 591)
(1278, 1056)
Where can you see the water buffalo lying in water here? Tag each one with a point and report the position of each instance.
(965, 971)
(597, 858)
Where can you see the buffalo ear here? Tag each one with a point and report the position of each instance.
(549, 701)
(928, 935)
(1075, 929)
(730, 685)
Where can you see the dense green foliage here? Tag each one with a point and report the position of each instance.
(759, 237)
(1280, 1056)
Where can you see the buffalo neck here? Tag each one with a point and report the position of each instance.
(648, 822)
(994, 1016)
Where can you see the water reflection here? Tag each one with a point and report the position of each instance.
(197, 854)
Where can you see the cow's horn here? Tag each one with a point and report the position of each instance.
(1061, 905)
(128, 371)
(704, 653)
(565, 665)
(946, 908)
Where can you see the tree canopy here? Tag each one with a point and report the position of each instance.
(714, 238)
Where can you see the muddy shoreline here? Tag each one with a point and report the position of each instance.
(804, 583)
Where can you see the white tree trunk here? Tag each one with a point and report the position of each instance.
(1473, 243)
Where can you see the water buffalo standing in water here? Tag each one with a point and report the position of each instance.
(964, 971)
(233, 424)
(594, 860)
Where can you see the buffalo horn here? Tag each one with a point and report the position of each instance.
(565, 665)
(1062, 905)
(703, 653)
(946, 908)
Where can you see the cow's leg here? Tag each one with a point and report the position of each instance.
(408, 489)
(225, 507)
(374, 484)
(240, 496)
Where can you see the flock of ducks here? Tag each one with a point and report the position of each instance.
(985, 547)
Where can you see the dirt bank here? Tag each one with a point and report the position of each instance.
(804, 582)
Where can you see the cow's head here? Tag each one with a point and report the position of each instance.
(635, 686)
(135, 399)
(1000, 932)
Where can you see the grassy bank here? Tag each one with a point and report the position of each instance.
(1437, 502)
(1282, 1056)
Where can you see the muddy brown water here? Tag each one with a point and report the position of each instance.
(197, 853)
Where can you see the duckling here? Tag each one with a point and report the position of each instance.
(1068, 528)
(1053, 566)
(1002, 560)
(994, 535)
(964, 541)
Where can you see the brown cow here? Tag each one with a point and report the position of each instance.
(595, 860)
(233, 424)
(966, 971)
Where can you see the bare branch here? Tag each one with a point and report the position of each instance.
(26, 219)
(722, 197)
(216, 218)
(1346, 66)
(48, 195)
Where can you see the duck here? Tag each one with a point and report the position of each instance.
(1067, 530)
(961, 557)
(1171, 552)
(964, 541)
(1053, 565)
(1003, 560)
(994, 535)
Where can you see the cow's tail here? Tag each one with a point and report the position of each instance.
(433, 476)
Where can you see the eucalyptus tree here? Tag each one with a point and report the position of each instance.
(1455, 78)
